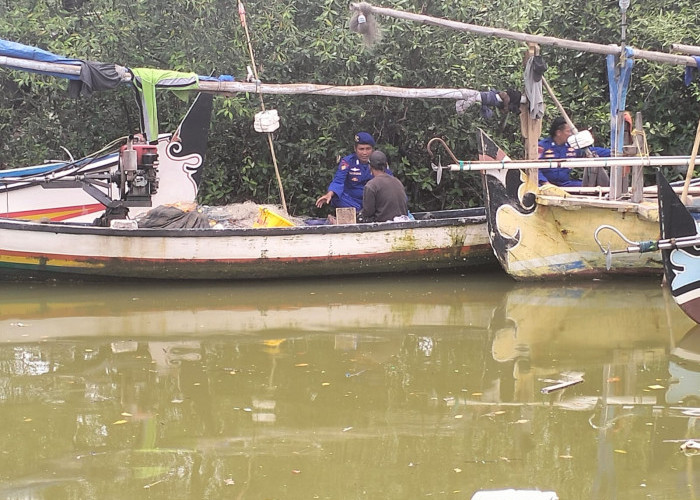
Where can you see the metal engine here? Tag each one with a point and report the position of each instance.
(137, 176)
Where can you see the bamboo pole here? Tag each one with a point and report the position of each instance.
(692, 50)
(561, 109)
(651, 161)
(229, 88)
(242, 14)
(595, 48)
(63, 69)
(691, 166)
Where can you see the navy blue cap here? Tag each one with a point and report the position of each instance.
(364, 138)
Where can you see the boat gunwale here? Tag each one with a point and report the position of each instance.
(464, 219)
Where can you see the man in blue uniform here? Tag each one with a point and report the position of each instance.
(351, 176)
(555, 147)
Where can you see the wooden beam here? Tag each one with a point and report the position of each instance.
(692, 50)
(595, 48)
(230, 88)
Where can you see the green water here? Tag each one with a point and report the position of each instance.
(373, 388)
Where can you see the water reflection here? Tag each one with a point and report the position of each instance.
(372, 388)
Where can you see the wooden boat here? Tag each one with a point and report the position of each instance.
(56, 242)
(67, 190)
(541, 233)
(435, 240)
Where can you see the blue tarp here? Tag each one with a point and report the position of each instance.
(27, 52)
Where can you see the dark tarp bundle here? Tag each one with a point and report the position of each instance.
(165, 217)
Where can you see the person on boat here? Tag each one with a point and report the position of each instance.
(384, 196)
(346, 188)
(556, 147)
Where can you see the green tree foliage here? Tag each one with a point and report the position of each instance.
(309, 41)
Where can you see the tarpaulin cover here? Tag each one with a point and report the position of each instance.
(27, 52)
(173, 218)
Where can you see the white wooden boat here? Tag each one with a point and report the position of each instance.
(56, 242)
(436, 240)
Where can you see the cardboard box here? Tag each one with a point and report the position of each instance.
(346, 215)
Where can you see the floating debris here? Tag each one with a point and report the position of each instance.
(561, 385)
(515, 495)
(691, 447)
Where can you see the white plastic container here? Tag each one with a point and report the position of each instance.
(267, 121)
(515, 495)
(581, 140)
(123, 224)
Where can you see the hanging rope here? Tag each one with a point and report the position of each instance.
(241, 14)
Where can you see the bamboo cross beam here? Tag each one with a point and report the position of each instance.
(692, 50)
(625, 161)
(61, 69)
(226, 87)
(337, 90)
(596, 48)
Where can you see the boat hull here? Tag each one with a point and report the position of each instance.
(551, 236)
(32, 250)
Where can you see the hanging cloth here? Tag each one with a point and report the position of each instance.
(619, 82)
(146, 80)
(533, 88)
(94, 76)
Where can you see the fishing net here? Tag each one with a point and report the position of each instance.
(190, 215)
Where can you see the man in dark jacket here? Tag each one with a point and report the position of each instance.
(384, 196)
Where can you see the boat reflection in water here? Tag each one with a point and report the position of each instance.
(684, 367)
(371, 388)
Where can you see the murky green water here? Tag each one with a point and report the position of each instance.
(376, 388)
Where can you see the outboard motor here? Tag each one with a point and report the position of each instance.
(138, 172)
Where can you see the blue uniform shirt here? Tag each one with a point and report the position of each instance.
(349, 182)
(548, 150)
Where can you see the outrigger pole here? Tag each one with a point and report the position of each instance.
(616, 50)
(613, 161)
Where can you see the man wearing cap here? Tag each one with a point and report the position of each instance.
(556, 147)
(384, 197)
(345, 190)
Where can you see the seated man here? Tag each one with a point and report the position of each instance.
(384, 197)
(556, 147)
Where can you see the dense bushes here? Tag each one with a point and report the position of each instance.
(308, 41)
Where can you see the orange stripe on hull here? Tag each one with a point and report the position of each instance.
(55, 214)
